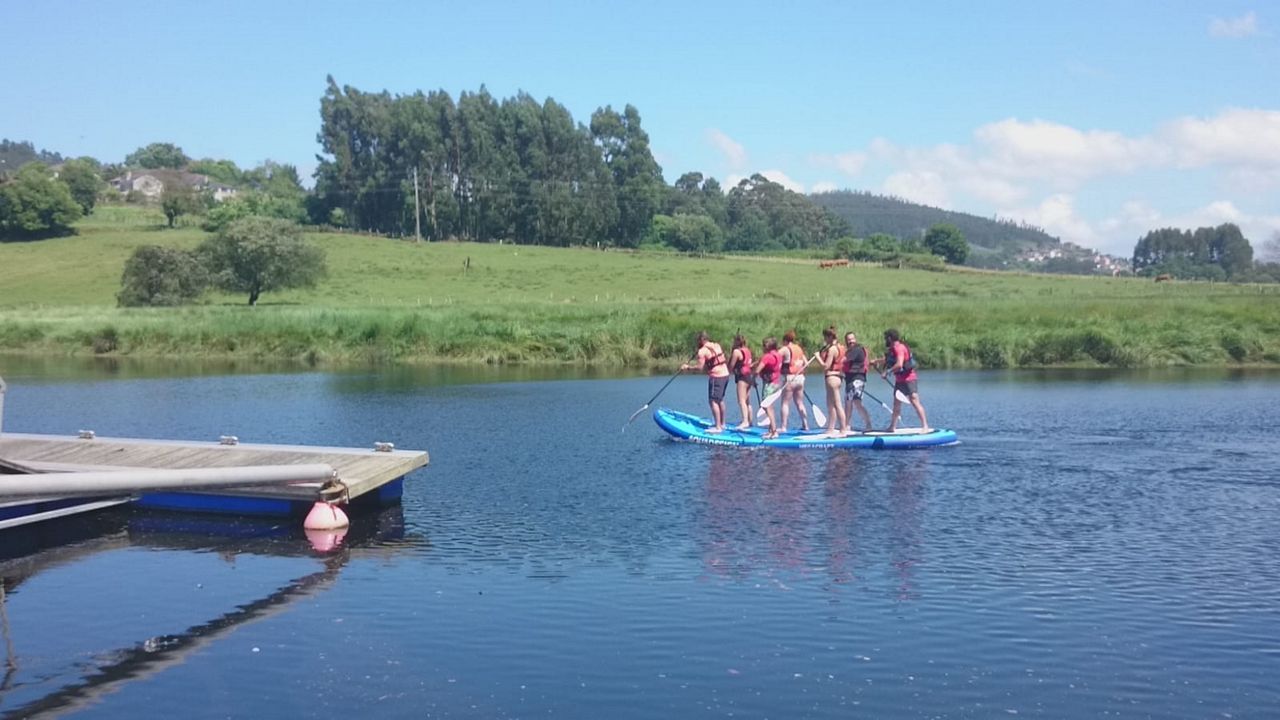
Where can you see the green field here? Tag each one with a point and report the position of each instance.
(396, 300)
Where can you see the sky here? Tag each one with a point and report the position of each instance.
(1097, 121)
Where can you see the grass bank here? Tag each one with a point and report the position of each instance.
(388, 300)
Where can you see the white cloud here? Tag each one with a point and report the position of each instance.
(1235, 137)
(922, 186)
(849, 163)
(781, 178)
(1237, 27)
(1058, 153)
(734, 154)
(1058, 216)
(824, 186)
(992, 189)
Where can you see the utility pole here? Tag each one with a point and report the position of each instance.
(417, 214)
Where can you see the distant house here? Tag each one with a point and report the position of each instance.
(150, 183)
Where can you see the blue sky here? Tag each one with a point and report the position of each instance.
(1095, 120)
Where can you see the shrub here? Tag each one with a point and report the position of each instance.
(157, 275)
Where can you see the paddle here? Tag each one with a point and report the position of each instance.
(819, 417)
(655, 395)
(873, 397)
(897, 394)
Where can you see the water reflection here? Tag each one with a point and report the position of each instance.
(52, 545)
(852, 517)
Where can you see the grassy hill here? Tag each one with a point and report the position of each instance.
(396, 300)
(868, 214)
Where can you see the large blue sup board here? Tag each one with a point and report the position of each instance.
(694, 429)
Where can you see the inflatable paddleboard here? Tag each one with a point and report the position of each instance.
(694, 429)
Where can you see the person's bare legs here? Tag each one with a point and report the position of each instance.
(744, 404)
(835, 410)
(915, 403)
(856, 404)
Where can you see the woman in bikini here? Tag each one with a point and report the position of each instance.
(744, 378)
(832, 358)
(793, 364)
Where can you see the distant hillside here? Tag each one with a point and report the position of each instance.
(868, 214)
(14, 155)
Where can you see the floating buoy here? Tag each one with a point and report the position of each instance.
(325, 516)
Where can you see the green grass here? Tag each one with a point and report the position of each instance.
(397, 300)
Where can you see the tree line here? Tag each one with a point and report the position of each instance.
(869, 214)
(1206, 253)
(525, 171)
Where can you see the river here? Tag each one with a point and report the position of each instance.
(1099, 544)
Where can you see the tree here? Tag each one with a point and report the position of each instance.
(946, 241)
(257, 255)
(81, 178)
(158, 155)
(224, 171)
(1229, 249)
(35, 205)
(156, 275)
(637, 178)
(177, 199)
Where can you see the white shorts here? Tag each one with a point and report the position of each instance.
(795, 381)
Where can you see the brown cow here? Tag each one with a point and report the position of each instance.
(1164, 278)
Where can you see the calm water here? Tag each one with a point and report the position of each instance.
(1099, 545)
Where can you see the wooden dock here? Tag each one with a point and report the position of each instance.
(371, 474)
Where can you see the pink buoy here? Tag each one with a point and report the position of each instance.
(324, 516)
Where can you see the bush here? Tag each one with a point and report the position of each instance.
(253, 203)
(157, 275)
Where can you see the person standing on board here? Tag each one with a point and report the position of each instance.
(899, 360)
(769, 370)
(744, 379)
(711, 358)
(832, 358)
(794, 362)
(854, 367)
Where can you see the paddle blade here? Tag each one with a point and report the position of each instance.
(770, 399)
(633, 416)
(819, 417)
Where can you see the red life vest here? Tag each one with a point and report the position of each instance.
(908, 370)
(742, 369)
(769, 366)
